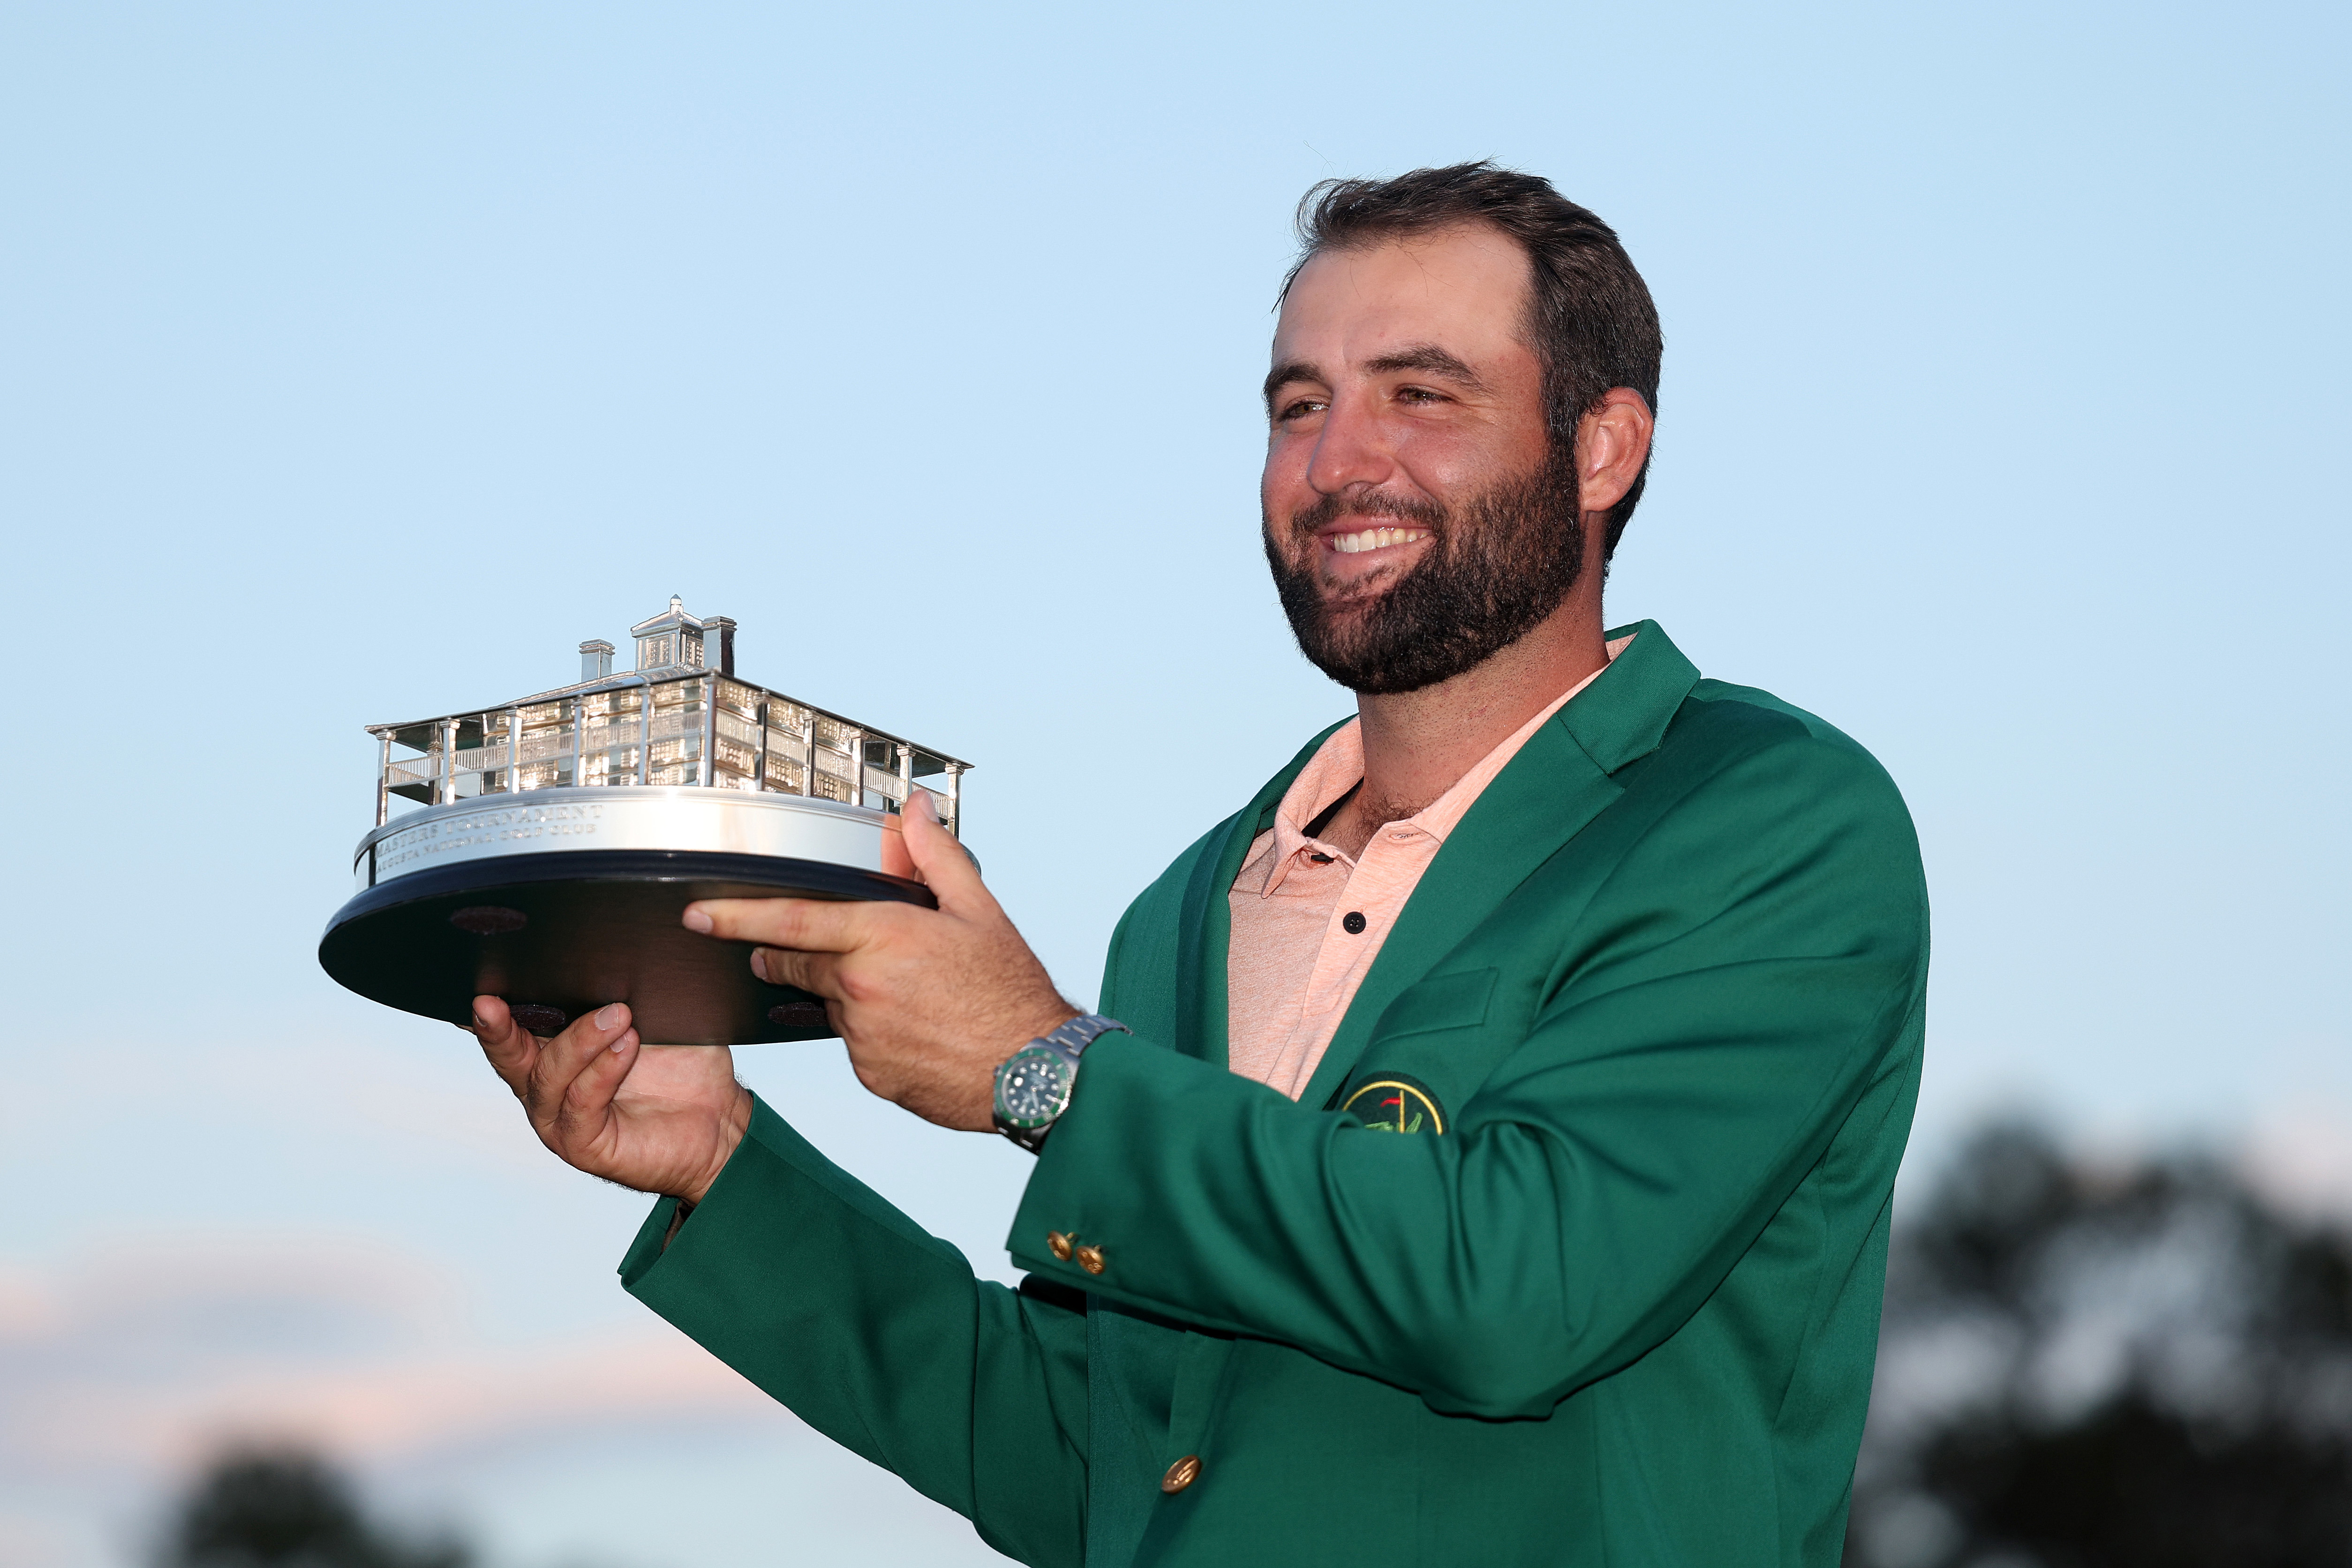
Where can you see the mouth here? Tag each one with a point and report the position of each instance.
(1363, 541)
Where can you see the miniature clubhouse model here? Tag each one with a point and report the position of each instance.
(557, 838)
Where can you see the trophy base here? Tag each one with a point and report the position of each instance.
(561, 901)
(559, 934)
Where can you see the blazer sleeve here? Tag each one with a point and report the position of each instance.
(1749, 965)
(879, 1336)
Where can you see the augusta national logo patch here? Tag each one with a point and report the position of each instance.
(1392, 1103)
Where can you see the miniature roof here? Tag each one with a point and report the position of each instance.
(414, 733)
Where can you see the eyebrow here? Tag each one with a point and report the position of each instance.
(1282, 376)
(1426, 357)
(1433, 359)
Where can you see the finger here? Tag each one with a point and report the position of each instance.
(819, 972)
(562, 1059)
(896, 861)
(811, 925)
(587, 1101)
(940, 861)
(511, 1047)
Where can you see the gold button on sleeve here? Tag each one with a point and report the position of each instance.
(1090, 1258)
(1058, 1245)
(1180, 1474)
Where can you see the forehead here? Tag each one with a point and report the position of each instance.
(1464, 289)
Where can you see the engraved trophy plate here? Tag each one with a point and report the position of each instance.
(562, 835)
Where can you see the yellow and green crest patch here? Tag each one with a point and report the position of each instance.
(1395, 1103)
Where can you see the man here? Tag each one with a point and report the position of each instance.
(1491, 1158)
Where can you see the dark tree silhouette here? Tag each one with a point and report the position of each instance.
(265, 1508)
(2147, 1367)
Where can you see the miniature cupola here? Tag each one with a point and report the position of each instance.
(670, 638)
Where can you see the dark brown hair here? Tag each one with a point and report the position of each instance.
(1590, 321)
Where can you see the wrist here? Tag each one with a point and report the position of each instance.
(1048, 1022)
(733, 1125)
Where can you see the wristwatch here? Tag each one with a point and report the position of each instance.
(1032, 1084)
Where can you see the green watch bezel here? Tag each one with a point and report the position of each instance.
(1064, 1067)
(1062, 1044)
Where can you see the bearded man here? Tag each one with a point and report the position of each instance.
(1482, 1152)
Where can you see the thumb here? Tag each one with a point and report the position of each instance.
(945, 866)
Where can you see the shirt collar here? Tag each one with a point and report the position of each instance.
(1338, 767)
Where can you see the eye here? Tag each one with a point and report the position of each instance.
(1298, 408)
(1419, 394)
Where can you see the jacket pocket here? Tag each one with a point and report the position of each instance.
(1440, 1001)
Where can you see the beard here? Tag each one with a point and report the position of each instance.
(1497, 563)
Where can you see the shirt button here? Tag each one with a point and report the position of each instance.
(1058, 1245)
(1090, 1258)
(1354, 922)
(1180, 1474)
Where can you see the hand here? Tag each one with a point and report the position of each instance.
(661, 1118)
(929, 1001)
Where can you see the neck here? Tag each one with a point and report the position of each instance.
(1419, 744)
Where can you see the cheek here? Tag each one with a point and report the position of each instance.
(1282, 486)
(1443, 463)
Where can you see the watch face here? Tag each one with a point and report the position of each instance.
(1033, 1088)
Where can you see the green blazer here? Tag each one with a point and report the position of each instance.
(1571, 1253)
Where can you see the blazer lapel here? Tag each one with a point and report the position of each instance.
(1559, 782)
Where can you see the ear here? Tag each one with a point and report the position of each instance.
(1613, 442)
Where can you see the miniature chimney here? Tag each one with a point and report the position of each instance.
(725, 626)
(595, 659)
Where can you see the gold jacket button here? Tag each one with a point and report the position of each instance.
(1090, 1258)
(1180, 1474)
(1058, 1245)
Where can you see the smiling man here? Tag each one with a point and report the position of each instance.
(1483, 1149)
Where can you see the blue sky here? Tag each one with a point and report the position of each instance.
(360, 363)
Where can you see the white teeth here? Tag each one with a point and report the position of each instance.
(1374, 539)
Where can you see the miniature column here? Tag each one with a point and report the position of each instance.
(646, 732)
(709, 730)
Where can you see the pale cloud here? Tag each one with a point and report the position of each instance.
(142, 1361)
(122, 1373)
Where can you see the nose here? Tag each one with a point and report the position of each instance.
(1350, 450)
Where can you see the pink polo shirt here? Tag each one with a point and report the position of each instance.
(1292, 965)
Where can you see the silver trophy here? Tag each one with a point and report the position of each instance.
(557, 838)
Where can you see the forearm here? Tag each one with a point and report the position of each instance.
(879, 1336)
